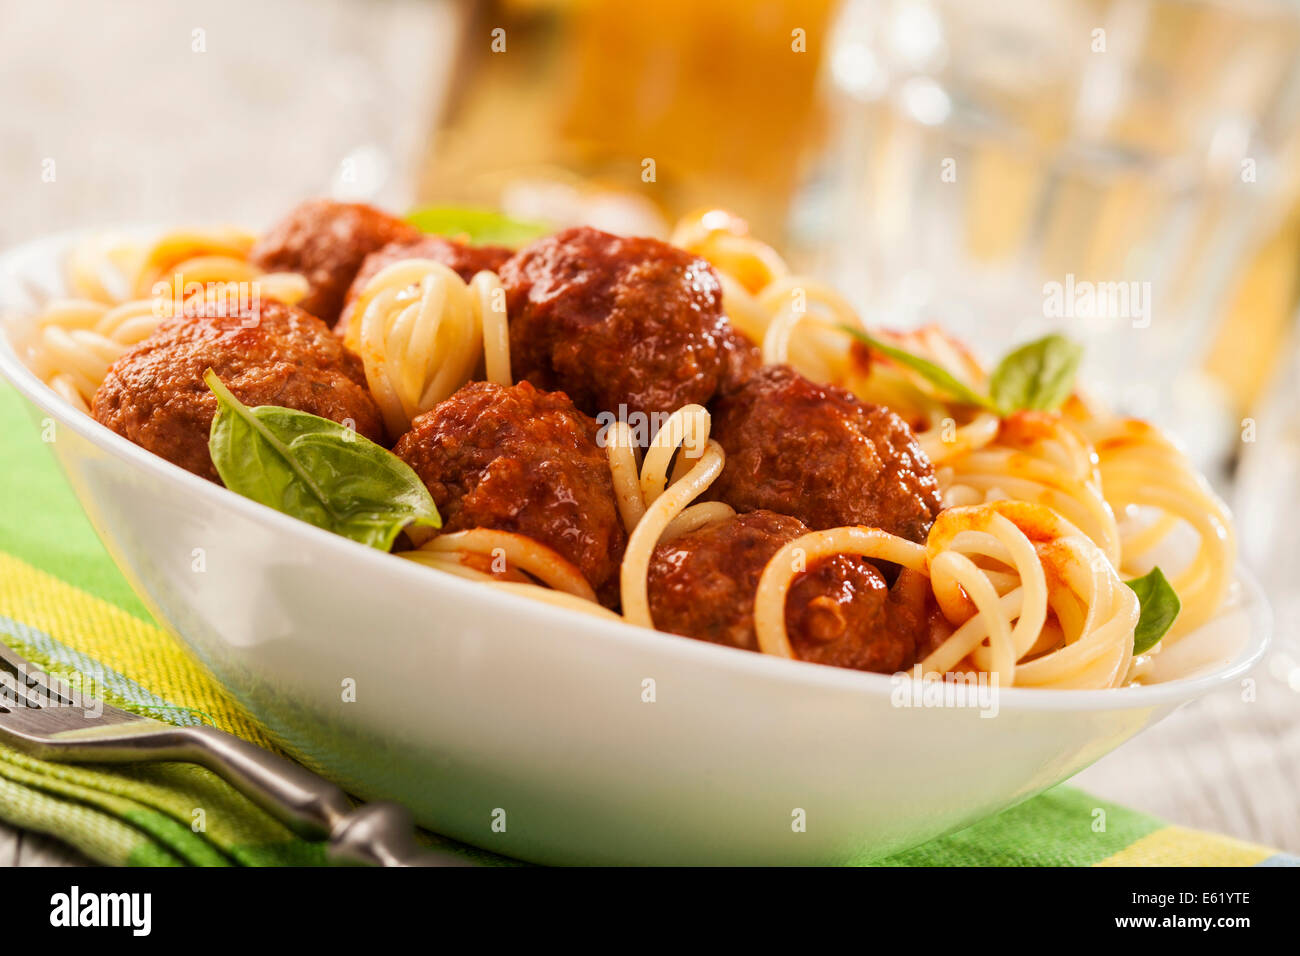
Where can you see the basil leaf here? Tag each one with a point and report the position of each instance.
(316, 470)
(480, 225)
(1037, 375)
(936, 375)
(1160, 607)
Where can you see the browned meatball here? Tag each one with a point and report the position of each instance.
(464, 260)
(615, 321)
(743, 359)
(820, 454)
(276, 355)
(518, 459)
(326, 242)
(840, 612)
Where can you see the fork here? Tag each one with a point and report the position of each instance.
(43, 717)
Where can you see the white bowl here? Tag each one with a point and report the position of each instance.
(471, 703)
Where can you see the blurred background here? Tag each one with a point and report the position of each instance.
(938, 160)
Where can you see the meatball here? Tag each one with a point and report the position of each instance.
(840, 612)
(517, 459)
(326, 242)
(615, 321)
(271, 354)
(464, 260)
(743, 359)
(820, 454)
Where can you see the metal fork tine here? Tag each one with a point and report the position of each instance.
(26, 690)
(19, 668)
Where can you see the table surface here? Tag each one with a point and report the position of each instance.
(359, 81)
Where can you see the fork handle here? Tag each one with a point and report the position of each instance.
(376, 834)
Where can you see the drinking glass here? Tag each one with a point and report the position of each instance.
(1098, 168)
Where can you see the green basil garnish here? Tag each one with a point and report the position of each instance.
(480, 225)
(316, 470)
(1037, 375)
(936, 375)
(1160, 607)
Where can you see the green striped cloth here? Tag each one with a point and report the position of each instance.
(65, 607)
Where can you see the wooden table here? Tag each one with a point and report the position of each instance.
(1219, 764)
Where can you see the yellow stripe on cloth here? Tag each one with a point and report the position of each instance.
(145, 653)
(1179, 846)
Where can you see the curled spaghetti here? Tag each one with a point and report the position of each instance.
(110, 270)
(724, 240)
(1152, 486)
(1027, 596)
(663, 501)
(1039, 457)
(195, 255)
(75, 341)
(422, 334)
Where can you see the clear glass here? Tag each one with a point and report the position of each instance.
(1268, 511)
(1102, 168)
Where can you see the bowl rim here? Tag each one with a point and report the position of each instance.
(759, 666)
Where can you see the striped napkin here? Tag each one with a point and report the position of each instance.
(65, 607)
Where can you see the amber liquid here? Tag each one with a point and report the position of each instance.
(720, 98)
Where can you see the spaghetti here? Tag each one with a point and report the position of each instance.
(1038, 457)
(422, 332)
(1130, 452)
(700, 461)
(1043, 511)
(509, 551)
(510, 562)
(76, 340)
(995, 571)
